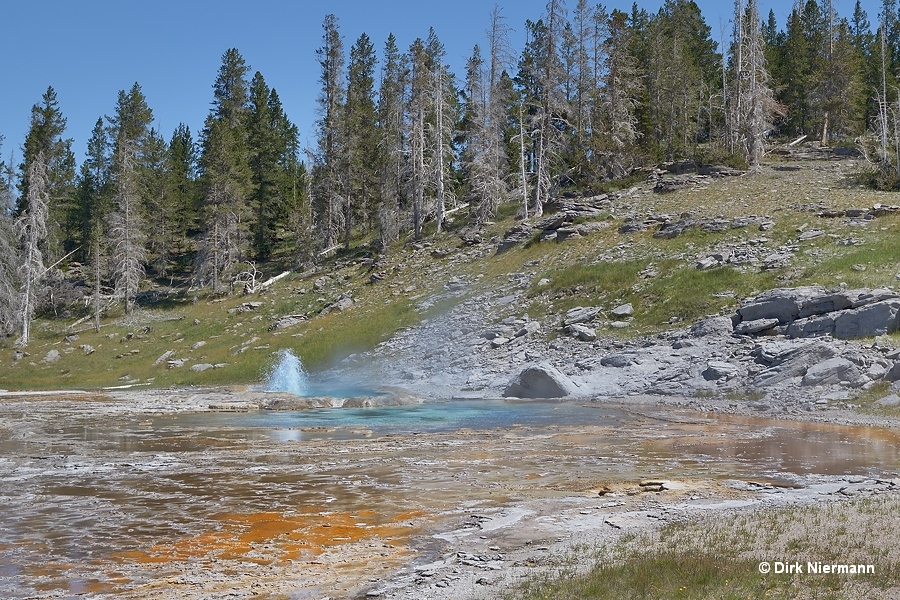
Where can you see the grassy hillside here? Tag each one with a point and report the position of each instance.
(604, 268)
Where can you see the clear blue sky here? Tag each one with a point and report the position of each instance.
(88, 50)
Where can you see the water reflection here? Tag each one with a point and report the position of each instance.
(801, 448)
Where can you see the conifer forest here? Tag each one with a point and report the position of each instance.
(404, 147)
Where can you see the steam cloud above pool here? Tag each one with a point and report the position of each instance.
(286, 374)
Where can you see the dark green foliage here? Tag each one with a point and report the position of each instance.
(272, 142)
(591, 95)
(182, 188)
(360, 121)
(226, 177)
(45, 138)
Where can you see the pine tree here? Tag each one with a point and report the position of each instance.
(541, 77)
(272, 145)
(9, 253)
(360, 123)
(290, 178)
(45, 138)
(182, 188)
(795, 76)
(615, 122)
(262, 144)
(390, 158)
(682, 68)
(129, 130)
(328, 174)
(92, 194)
(839, 93)
(157, 204)
(226, 177)
(130, 123)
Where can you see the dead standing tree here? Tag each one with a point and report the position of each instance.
(126, 232)
(32, 228)
(754, 104)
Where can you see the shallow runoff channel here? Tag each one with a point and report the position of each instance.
(108, 498)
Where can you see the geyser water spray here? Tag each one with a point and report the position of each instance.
(287, 374)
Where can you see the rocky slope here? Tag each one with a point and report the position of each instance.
(791, 349)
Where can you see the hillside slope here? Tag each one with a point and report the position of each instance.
(433, 315)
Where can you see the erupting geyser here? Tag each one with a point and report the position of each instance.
(287, 375)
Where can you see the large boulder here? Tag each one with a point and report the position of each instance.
(582, 332)
(541, 381)
(712, 326)
(717, 369)
(831, 372)
(787, 360)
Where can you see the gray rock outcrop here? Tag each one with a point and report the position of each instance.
(813, 311)
(581, 314)
(514, 236)
(287, 321)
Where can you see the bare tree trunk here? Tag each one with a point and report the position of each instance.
(522, 174)
(542, 188)
(97, 283)
(439, 147)
(348, 220)
(882, 102)
(32, 227)
(126, 230)
(738, 96)
(418, 171)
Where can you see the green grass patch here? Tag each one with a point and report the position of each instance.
(125, 350)
(596, 279)
(871, 265)
(657, 575)
(868, 401)
(718, 557)
(677, 290)
(337, 335)
(689, 294)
